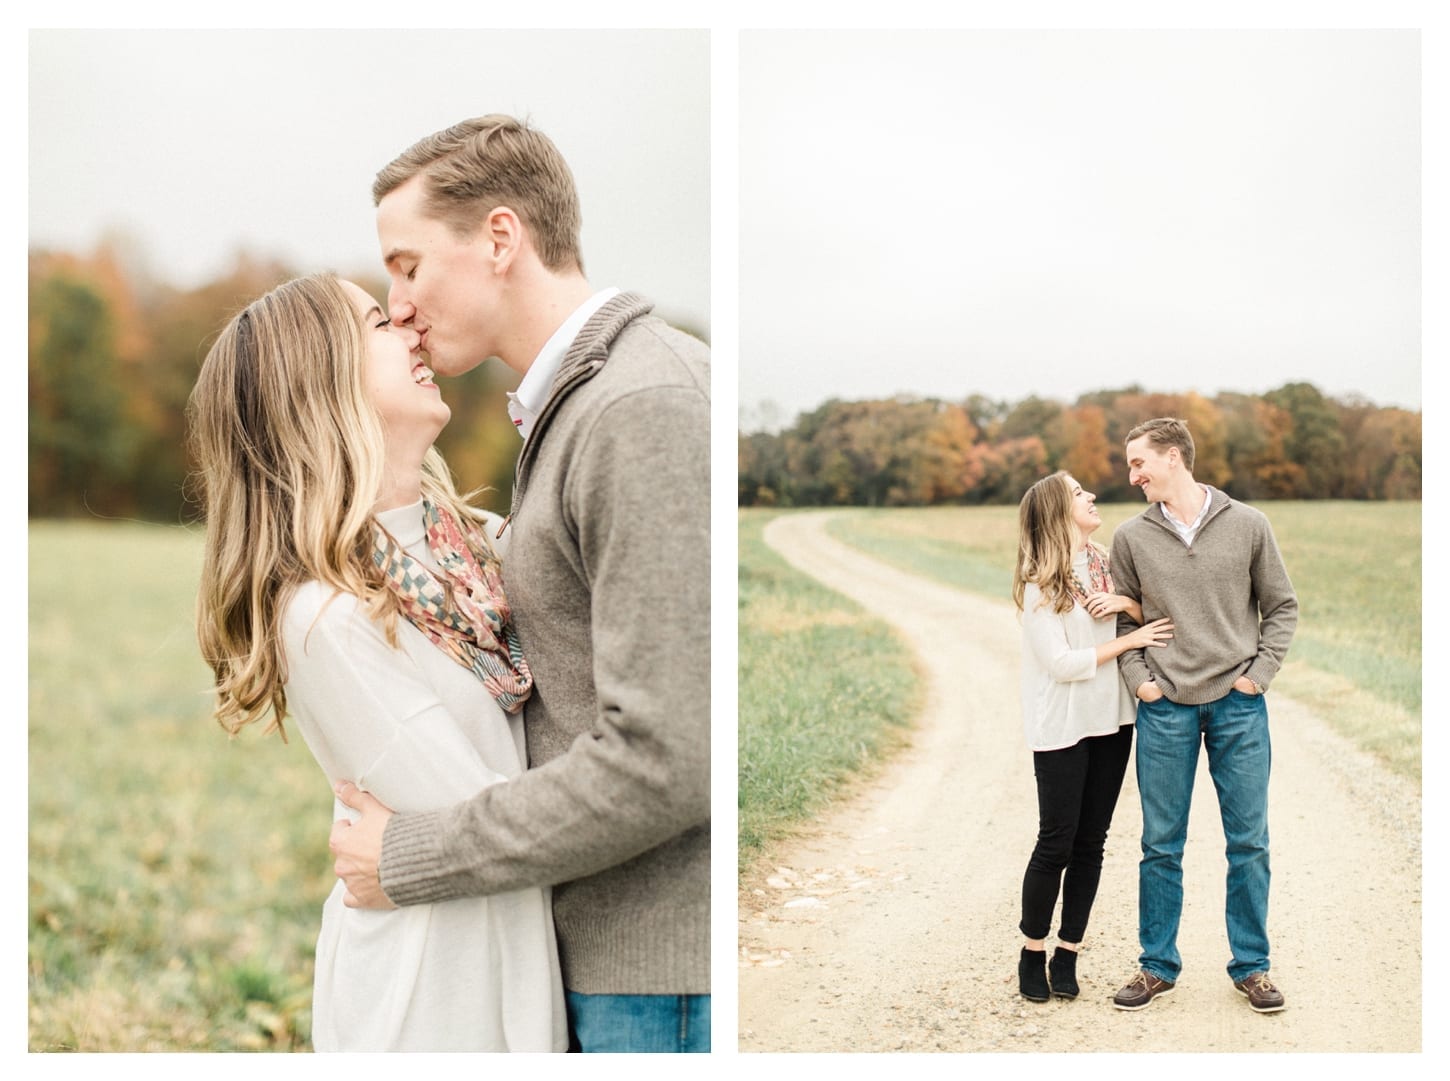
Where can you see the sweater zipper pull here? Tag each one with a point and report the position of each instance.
(502, 527)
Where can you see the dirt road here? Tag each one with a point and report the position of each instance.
(892, 925)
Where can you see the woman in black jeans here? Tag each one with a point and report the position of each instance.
(1077, 715)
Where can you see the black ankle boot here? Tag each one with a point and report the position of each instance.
(1063, 971)
(1032, 975)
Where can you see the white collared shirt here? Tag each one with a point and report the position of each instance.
(1188, 532)
(533, 391)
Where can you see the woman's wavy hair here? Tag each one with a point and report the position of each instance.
(289, 452)
(1046, 538)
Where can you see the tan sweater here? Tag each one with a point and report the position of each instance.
(1230, 599)
(608, 574)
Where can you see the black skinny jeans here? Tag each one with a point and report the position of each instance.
(1077, 789)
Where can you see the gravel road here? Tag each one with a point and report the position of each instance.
(891, 924)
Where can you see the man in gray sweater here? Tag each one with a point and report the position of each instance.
(1211, 565)
(607, 572)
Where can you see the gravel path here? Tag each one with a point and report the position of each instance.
(891, 925)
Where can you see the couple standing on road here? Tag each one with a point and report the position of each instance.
(1196, 608)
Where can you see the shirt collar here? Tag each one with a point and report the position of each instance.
(533, 390)
(1207, 499)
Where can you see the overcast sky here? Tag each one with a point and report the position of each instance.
(1007, 212)
(1052, 212)
(201, 143)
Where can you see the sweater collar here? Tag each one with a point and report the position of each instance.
(590, 347)
(533, 391)
(1213, 506)
(587, 354)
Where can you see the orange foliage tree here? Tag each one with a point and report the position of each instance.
(113, 356)
(1292, 443)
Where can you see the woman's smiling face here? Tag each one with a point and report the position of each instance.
(1084, 507)
(398, 383)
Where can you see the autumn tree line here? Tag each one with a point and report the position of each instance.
(113, 356)
(1291, 443)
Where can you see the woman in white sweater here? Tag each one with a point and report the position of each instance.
(348, 587)
(1077, 715)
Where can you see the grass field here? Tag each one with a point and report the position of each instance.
(176, 877)
(824, 691)
(1356, 656)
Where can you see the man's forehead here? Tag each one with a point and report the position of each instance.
(398, 230)
(1144, 446)
(400, 206)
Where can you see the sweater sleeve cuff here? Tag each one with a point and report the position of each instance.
(413, 855)
(1135, 673)
(1261, 672)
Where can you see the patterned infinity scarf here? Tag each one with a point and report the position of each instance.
(466, 615)
(1099, 579)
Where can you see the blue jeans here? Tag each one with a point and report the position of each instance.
(638, 1023)
(1235, 732)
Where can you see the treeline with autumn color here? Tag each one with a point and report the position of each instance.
(1291, 443)
(113, 357)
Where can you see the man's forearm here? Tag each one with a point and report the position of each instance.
(1278, 610)
(1132, 664)
(547, 826)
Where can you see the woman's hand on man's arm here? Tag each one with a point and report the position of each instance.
(1102, 605)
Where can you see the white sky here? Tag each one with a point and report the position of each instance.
(1052, 212)
(200, 143)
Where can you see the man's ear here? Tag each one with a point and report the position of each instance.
(504, 234)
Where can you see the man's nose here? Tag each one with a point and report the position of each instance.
(400, 308)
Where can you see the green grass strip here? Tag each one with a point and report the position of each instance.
(825, 691)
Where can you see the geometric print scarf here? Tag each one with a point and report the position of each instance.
(1099, 580)
(466, 615)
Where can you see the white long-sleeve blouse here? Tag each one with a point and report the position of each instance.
(1066, 695)
(418, 731)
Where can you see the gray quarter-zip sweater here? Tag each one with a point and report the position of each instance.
(1230, 599)
(608, 576)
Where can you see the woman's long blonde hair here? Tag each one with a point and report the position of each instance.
(1047, 536)
(290, 457)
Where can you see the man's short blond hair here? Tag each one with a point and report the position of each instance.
(1165, 432)
(491, 161)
